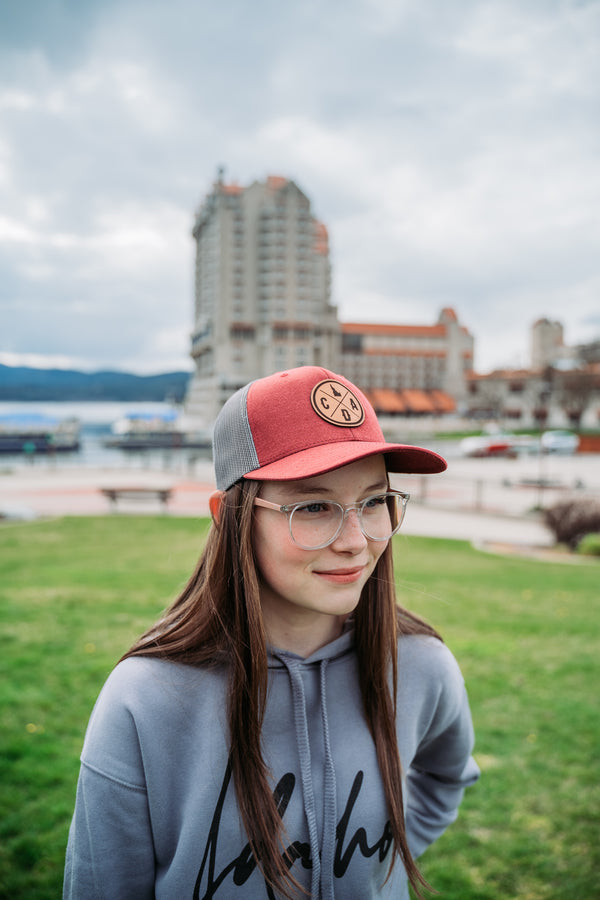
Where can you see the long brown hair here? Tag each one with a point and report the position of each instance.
(217, 621)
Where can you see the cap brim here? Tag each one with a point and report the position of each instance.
(318, 460)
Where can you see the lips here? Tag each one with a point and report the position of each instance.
(342, 576)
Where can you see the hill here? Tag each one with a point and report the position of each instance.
(20, 383)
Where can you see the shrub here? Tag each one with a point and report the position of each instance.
(589, 545)
(573, 520)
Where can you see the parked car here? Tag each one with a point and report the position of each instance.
(489, 445)
(565, 442)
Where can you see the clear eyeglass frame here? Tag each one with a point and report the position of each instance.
(400, 498)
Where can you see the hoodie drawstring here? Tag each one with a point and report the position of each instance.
(322, 857)
(329, 804)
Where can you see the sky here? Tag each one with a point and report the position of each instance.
(451, 147)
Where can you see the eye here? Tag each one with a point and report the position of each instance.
(376, 501)
(313, 508)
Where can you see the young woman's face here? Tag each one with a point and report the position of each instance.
(307, 594)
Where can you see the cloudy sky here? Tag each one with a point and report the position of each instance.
(452, 147)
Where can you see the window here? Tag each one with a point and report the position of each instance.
(351, 343)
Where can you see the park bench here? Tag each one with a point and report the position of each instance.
(114, 494)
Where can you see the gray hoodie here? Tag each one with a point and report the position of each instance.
(156, 814)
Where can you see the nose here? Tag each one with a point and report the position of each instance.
(351, 537)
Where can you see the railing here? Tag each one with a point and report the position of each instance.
(506, 487)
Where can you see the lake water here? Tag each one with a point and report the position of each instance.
(96, 420)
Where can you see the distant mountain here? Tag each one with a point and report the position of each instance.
(21, 383)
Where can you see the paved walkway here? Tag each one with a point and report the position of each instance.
(478, 500)
(72, 492)
(439, 508)
(477, 527)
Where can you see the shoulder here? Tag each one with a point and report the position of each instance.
(143, 690)
(143, 675)
(429, 676)
(426, 656)
(112, 746)
(144, 701)
(144, 684)
(147, 680)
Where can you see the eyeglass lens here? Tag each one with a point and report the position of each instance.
(316, 523)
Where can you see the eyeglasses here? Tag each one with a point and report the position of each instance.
(315, 524)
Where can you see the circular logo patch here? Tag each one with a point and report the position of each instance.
(337, 404)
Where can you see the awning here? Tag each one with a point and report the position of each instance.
(417, 401)
(443, 402)
(386, 401)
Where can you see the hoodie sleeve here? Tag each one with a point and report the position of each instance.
(110, 851)
(442, 765)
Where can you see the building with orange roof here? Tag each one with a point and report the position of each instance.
(431, 359)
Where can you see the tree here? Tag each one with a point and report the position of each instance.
(574, 390)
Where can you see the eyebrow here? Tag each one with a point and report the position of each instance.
(308, 490)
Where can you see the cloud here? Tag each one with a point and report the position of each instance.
(451, 149)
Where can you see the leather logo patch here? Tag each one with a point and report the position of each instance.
(337, 404)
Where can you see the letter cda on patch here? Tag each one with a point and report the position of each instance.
(337, 404)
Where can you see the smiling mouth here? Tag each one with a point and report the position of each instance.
(342, 576)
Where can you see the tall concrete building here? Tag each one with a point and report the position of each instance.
(262, 290)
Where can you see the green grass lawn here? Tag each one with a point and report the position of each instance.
(75, 592)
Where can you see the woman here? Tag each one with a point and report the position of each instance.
(285, 730)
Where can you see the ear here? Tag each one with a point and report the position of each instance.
(215, 501)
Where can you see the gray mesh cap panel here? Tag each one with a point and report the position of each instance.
(234, 452)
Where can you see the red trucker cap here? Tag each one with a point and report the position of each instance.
(304, 422)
